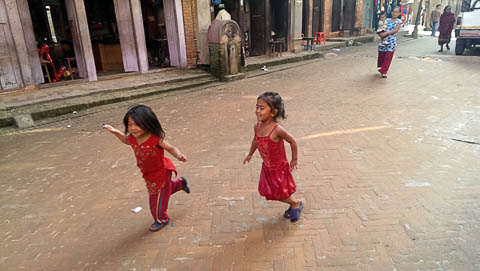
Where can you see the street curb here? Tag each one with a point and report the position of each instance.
(110, 90)
(317, 53)
(254, 67)
(49, 109)
(60, 106)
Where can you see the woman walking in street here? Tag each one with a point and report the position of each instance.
(385, 53)
(447, 20)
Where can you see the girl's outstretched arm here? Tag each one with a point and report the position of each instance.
(172, 150)
(121, 136)
(293, 145)
(253, 147)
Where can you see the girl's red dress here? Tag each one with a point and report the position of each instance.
(152, 162)
(276, 180)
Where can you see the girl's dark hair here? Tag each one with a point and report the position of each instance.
(144, 117)
(274, 100)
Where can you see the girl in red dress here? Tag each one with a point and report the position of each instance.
(145, 135)
(276, 180)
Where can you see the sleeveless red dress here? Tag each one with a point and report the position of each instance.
(152, 163)
(276, 180)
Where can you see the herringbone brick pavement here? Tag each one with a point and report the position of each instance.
(386, 183)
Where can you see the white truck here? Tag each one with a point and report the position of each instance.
(467, 30)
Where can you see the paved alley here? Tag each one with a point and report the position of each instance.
(389, 173)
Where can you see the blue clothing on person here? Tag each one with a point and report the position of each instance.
(391, 39)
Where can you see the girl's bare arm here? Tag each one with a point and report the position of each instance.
(282, 133)
(121, 136)
(172, 150)
(253, 148)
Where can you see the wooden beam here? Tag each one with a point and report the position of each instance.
(82, 43)
(126, 33)
(30, 41)
(139, 38)
(19, 40)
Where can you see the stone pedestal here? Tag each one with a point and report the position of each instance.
(224, 44)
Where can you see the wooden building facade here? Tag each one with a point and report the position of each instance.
(107, 36)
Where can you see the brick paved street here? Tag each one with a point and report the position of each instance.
(389, 173)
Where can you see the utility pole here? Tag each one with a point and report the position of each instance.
(417, 20)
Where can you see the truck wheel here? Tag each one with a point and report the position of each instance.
(460, 47)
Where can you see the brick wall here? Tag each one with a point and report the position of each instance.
(189, 24)
(327, 17)
(359, 14)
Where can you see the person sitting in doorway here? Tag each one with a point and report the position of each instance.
(67, 49)
(52, 62)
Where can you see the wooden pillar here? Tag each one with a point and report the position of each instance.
(19, 41)
(296, 9)
(175, 32)
(82, 44)
(139, 37)
(10, 76)
(132, 35)
(30, 41)
(359, 14)
(310, 19)
(126, 33)
(290, 22)
(268, 26)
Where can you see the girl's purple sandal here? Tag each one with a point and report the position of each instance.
(287, 213)
(295, 213)
(185, 185)
(156, 226)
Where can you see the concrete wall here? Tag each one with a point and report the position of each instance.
(203, 21)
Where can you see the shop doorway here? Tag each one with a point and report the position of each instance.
(257, 27)
(336, 15)
(317, 16)
(305, 18)
(279, 20)
(155, 33)
(349, 12)
(104, 36)
(54, 39)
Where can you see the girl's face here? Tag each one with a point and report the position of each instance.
(383, 17)
(395, 13)
(263, 111)
(134, 129)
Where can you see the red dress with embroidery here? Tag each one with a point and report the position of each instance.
(152, 162)
(276, 180)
